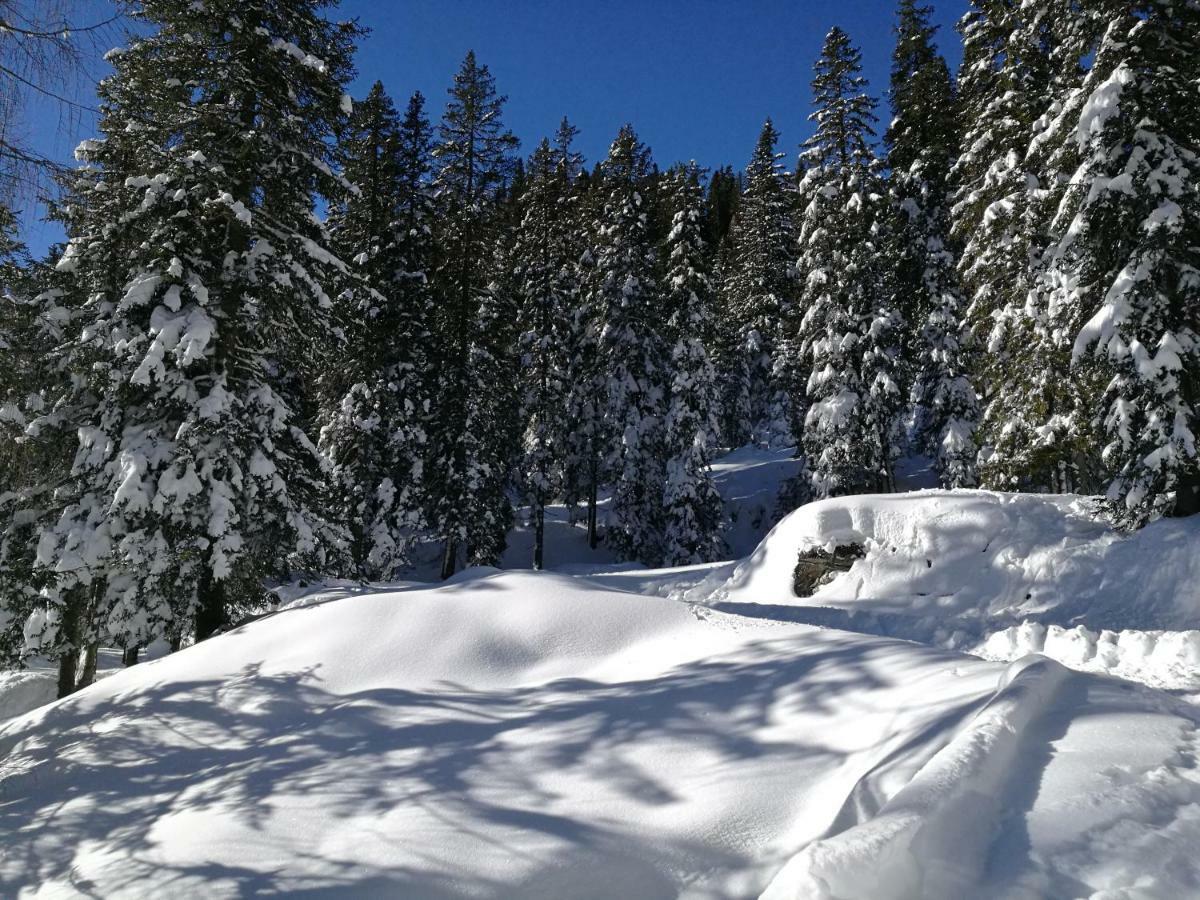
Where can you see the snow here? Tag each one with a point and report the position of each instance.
(951, 567)
(611, 730)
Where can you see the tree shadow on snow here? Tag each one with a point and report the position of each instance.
(126, 782)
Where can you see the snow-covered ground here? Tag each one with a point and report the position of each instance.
(616, 731)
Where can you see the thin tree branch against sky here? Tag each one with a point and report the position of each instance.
(696, 78)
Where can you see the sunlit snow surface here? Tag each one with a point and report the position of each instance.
(608, 731)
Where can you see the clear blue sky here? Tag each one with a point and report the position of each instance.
(695, 77)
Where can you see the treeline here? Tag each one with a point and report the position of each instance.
(210, 386)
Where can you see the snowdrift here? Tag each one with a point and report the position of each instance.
(536, 735)
(956, 568)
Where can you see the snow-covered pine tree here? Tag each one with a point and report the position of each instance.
(630, 352)
(692, 510)
(193, 479)
(29, 330)
(472, 422)
(1128, 252)
(922, 142)
(373, 422)
(546, 286)
(758, 296)
(850, 332)
(583, 465)
(1029, 409)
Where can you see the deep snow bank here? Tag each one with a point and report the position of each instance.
(952, 568)
(507, 734)
(516, 734)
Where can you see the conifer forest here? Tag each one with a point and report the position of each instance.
(393, 507)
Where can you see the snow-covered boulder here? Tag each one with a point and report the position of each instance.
(966, 563)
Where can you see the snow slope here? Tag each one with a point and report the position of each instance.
(1006, 574)
(536, 735)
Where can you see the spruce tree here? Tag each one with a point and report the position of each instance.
(373, 429)
(584, 463)
(758, 296)
(30, 465)
(1128, 253)
(1031, 414)
(922, 143)
(199, 275)
(471, 433)
(630, 352)
(547, 290)
(849, 333)
(692, 508)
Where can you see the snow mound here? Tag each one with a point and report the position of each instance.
(542, 736)
(22, 691)
(952, 567)
(507, 734)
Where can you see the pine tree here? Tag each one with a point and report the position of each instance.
(720, 208)
(922, 142)
(630, 352)
(758, 296)
(30, 327)
(850, 331)
(584, 463)
(691, 505)
(193, 478)
(472, 424)
(1031, 414)
(373, 425)
(1128, 253)
(547, 290)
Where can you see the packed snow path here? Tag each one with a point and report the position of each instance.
(539, 736)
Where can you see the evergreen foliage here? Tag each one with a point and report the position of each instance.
(1127, 254)
(922, 142)
(198, 273)
(691, 505)
(631, 352)
(373, 427)
(758, 296)
(849, 332)
(475, 399)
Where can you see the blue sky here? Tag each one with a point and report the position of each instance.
(695, 77)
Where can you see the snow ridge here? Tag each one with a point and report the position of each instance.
(931, 839)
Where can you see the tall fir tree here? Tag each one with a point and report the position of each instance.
(692, 510)
(194, 478)
(1031, 415)
(547, 288)
(31, 463)
(758, 295)
(631, 353)
(849, 333)
(922, 142)
(1127, 256)
(471, 437)
(584, 463)
(373, 428)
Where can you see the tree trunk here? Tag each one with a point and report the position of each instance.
(449, 558)
(593, 539)
(88, 675)
(176, 641)
(68, 664)
(129, 656)
(539, 534)
(1187, 494)
(210, 613)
